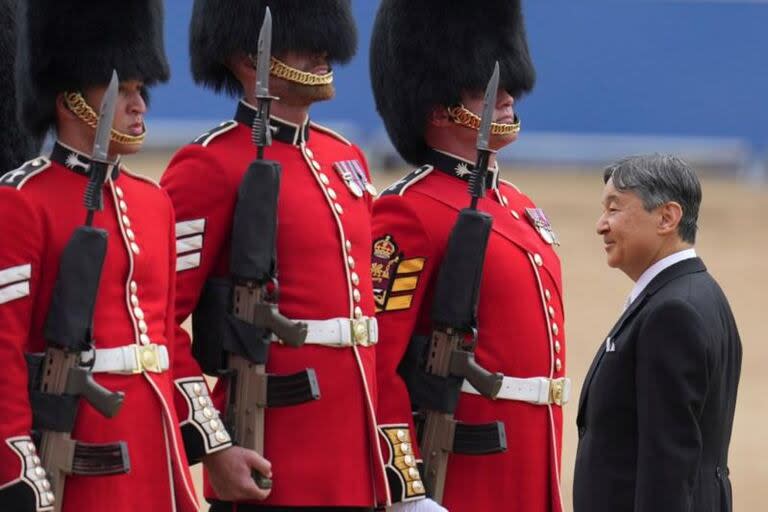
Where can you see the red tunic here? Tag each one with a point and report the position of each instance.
(40, 210)
(322, 452)
(520, 321)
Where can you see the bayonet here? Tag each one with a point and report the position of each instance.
(100, 163)
(477, 180)
(260, 131)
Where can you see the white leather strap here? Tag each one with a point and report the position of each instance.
(342, 332)
(131, 359)
(534, 390)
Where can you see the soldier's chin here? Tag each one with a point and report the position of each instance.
(499, 141)
(303, 95)
(121, 148)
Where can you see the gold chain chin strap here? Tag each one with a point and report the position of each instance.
(282, 70)
(462, 116)
(77, 104)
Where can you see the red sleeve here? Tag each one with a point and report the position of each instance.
(197, 193)
(21, 247)
(402, 270)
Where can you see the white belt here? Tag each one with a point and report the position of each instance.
(342, 332)
(535, 390)
(131, 359)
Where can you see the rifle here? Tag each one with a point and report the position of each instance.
(253, 266)
(66, 368)
(454, 337)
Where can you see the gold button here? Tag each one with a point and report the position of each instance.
(331, 193)
(31, 448)
(123, 206)
(134, 299)
(46, 485)
(134, 248)
(409, 460)
(348, 245)
(324, 179)
(36, 460)
(537, 259)
(338, 208)
(504, 200)
(401, 435)
(130, 234)
(197, 389)
(413, 473)
(148, 358)
(351, 261)
(547, 294)
(40, 472)
(134, 287)
(555, 329)
(49, 495)
(143, 327)
(144, 339)
(214, 425)
(355, 278)
(316, 165)
(119, 192)
(208, 412)
(405, 448)
(551, 311)
(356, 295)
(137, 311)
(358, 312)
(515, 214)
(557, 347)
(221, 436)
(126, 221)
(308, 152)
(418, 486)
(203, 401)
(558, 365)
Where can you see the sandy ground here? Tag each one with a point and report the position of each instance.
(732, 241)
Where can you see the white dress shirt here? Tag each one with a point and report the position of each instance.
(656, 269)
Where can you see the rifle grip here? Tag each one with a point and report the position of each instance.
(261, 481)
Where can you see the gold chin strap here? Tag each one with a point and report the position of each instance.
(462, 116)
(77, 104)
(282, 70)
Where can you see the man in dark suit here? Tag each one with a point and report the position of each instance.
(656, 410)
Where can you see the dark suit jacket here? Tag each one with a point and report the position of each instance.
(655, 413)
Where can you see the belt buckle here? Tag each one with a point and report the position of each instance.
(556, 391)
(360, 332)
(147, 358)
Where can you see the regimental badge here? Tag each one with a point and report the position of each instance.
(541, 224)
(394, 277)
(353, 175)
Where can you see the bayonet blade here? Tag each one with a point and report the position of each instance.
(106, 117)
(264, 56)
(489, 105)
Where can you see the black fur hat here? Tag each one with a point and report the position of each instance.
(425, 53)
(222, 28)
(15, 145)
(67, 45)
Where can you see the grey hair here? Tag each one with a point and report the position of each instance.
(658, 179)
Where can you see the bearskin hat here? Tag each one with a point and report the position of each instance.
(426, 53)
(223, 28)
(16, 146)
(68, 45)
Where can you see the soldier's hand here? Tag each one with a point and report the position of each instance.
(425, 505)
(229, 472)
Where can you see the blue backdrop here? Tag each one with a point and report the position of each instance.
(613, 66)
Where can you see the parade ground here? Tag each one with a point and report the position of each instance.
(732, 241)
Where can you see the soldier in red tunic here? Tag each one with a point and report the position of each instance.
(324, 451)
(68, 51)
(429, 66)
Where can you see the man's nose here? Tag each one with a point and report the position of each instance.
(504, 99)
(602, 225)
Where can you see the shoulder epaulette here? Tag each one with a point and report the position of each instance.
(138, 176)
(18, 177)
(511, 185)
(399, 187)
(205, 138)
(330, 132)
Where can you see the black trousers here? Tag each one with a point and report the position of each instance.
(225, 506)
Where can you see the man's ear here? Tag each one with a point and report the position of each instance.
(241, 66)
(438, 116)
(670, 215)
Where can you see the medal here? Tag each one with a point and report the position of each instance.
(541, 224)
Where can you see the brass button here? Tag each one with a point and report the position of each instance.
(139, 313)
(504, 200)
(31, 448)
(130, 234)
(401, 435)
(221, 436)
(418, 486)
(39, 472)
(144, 339)
(348, 245)
(351, 261)
(119, 192)
(515, 214)
(338, 208)
(203, 401)
(547, 294)
(123, 206)
(134, 287)
(558, 364)
(214, 425)
(557, 347)
(551, 311)
(355, 278)
(405, 448)
(134, 300)
(356, 295)
(46, 485)
(555, 329)
(409, 460)
(324, 179)
(358, 312)
(49, 495)
(36, 460)
(134, 248)
(413, 473)
(537, 259)
(197, 389)
(126, 221)
(309, 152)
(331, 193)
(208, 412)
(143, 327)
(316, 165)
